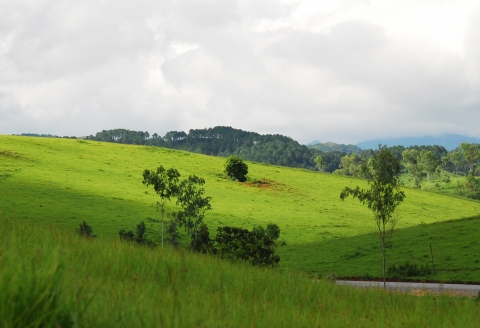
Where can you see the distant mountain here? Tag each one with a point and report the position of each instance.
(449, 140)
(311, 143)
(332, 146)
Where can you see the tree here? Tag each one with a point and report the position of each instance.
(430, 163)
(190, 198)
(411, 157)
(470, 152)
(320, 162)
(165, 184)
(455, 157)
(350, 165)
(383, 196)
(235, 168)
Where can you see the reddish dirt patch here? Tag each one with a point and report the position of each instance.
(266, 184)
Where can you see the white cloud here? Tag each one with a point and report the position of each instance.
(343, 71)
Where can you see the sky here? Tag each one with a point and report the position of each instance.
(344, 70)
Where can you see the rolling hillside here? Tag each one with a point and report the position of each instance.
(64, 182)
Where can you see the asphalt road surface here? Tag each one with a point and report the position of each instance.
(466, 290)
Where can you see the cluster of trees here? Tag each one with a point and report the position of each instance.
(122, 136)
(225, 141)
(331, 146)
(423, 164)
(256, 246)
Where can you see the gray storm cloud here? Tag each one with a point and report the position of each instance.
(338, 72)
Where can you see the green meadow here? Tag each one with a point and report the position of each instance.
(63, 182)
(53, 278)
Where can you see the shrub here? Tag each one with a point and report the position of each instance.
(235, 168)
(408, 270)
(85, 230)
(140, 238)
(201, 242)
(173, 237)
(253, 246)
(126, 235)
(273, 231)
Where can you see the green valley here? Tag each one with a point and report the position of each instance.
(64, 181)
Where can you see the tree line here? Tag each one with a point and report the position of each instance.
(226, 141)
(424, 164)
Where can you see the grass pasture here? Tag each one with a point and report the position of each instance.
(63, 182)
(65, 280)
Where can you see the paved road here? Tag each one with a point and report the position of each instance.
(472, 290)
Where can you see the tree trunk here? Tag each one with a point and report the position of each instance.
(384, 272)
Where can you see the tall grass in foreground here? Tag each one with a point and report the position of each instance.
(50, 278)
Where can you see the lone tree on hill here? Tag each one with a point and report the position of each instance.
(235, 168)
(383, 196)
(165, 183)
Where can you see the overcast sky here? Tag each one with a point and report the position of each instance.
(343, 71)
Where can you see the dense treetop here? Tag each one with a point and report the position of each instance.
(331, 146)
(226, 141)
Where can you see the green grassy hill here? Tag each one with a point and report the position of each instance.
(64, 182)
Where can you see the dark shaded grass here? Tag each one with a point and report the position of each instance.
(455, 243)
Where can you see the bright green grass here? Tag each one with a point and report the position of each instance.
(65, 181)
(49, 278)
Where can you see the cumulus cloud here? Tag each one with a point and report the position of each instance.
(344, 71)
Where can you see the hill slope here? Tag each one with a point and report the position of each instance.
(67, 181)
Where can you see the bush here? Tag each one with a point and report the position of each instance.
(126, 235)
(140, 238)
(201, 242)
(172, 235)
(408, 270)
(253, 246)
(235, 168)
(85, 230)
(273, 231)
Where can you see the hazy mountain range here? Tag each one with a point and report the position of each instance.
(448, 140)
